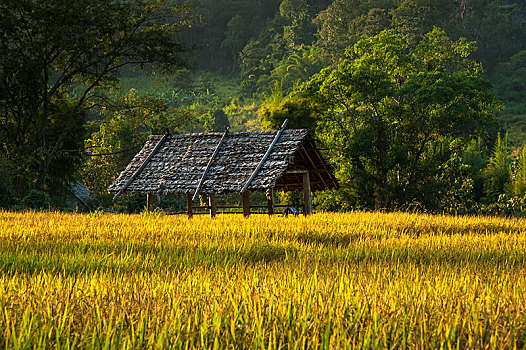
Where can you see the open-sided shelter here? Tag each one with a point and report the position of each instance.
(219, 163)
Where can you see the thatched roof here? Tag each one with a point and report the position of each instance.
(180, 161)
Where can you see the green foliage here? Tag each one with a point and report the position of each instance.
(294, 69)
(474, 156)
(388, 109)
(519, 178)
(510, 86)
(417, 17)
(299, 112)
(36, 200)
(332, 201)
(299, 29)
(60, 59)
(7, 196)
(242, 117)
(173, 203)
(62, 64)
(221, 121)
(134, 203)
(344, 22)
(498, 172)
(458, 195)
(278, 33)
(235, 36)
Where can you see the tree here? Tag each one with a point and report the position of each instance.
(417, 17)
(498, 26)
(345, 22)
(300, 30)
(235, 37)
(117, 135)
(473, 155)
(60, 58)
(392, 113)
(519, 179)
(377, 20)
(497, 175)
(510, 86)
(297, 110)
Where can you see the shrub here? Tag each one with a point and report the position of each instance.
(37, 200)
(134, 203)
(7, 197)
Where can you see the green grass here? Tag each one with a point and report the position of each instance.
(224, 86)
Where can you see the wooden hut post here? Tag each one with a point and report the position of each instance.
(245, 199)
(212, 203)
(270, 201)
(149, 201)
(307, 199)
(189, 204)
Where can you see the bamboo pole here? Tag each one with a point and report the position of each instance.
(245, 198)
(307, 199)
(203, 177)
(149, 201)
(189, 205)
(269, 150)
(212, 202)
(270, 201)
(141, 168)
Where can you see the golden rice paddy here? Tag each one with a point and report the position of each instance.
(355, 280)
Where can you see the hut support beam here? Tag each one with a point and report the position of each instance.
(306, 153)
(270, 201)
(149, 201)
(212, 203)
(307, 199)
(245, 199)
(189, 205)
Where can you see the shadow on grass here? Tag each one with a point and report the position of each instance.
(148, 257)
(328, 241)
(141, 258)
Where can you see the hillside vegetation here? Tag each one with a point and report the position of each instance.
(362, 280)
(285, 41)
(418, 103)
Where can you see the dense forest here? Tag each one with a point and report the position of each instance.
(420, 104)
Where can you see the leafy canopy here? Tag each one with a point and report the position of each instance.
(392, 113)
(59, 59)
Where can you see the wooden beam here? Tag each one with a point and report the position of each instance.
(202, 180)
(189, 205)
(212, 202)
(296, 171)
(245, 198)
(270, 201)
(314, 164)
(141, 168)
(318, 155)
(149, 201)
(269, 150)
(307, 200)
(240, 206)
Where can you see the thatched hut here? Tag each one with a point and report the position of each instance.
(218, 163)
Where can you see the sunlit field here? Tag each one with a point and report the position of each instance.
(357, 280)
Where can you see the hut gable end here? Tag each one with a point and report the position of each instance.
(179, 163)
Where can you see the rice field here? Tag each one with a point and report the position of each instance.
(355, 280)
